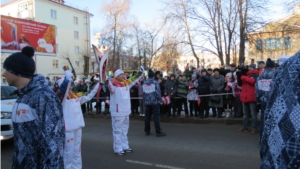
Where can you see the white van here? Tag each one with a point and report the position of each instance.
(7, 102)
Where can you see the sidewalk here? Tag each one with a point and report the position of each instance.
(181, 119)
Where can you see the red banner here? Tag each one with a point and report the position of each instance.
(17, 33)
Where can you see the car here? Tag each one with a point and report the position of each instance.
(8, 100)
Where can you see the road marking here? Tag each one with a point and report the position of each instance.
(153, 164)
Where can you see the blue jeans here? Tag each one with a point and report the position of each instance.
(247, 109)
(149, 111)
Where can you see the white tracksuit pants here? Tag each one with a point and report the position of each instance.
(72, 152)
(120, 126)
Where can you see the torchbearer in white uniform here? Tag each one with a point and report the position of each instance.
(73, 118)
(120, 108)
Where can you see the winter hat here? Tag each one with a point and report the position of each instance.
(203, 70)
(216, 69)
(151, 73)
(232, 65)
(194, 75)
(252, 65)
(21, 63)
(270, 63)
(118, 72)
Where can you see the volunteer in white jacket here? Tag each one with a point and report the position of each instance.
(73, 117)
(121, 108)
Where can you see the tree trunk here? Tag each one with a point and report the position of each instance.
(73, 70)
(86, 65)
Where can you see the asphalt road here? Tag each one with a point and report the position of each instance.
(189, 146)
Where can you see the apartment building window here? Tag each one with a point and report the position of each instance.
(259, 44)
(55, 63)
(22, 7)
(76, 64)
(76, 49)
(53, 14)
(273, 43)
(76, 34)
(287, 42)
(75, 20)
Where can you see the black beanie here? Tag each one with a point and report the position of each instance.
(270, 63)
(21, 63)
(150, 73)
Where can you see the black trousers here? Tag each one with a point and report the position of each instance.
(149, 111)
(204, 106)
(134, 106)
(181, 101)
(215, 109)
(238, 107)
(193, 107)
(172, 106)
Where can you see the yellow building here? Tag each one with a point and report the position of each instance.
(276, 39)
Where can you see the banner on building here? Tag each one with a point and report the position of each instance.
(17, 33)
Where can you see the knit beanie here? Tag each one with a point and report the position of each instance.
(21, 63)
(118, 72)
(270, 63)
(203, 70)
(151, 73)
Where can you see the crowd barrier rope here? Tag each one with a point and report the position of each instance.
(206, 95)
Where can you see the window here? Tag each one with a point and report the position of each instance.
(76, 34)
(273, 43)
(258, 44)
(55, 63)
(76, 49)
(75, 20)
(22, 7)
(55, 30)
(76, 64)
(56, 48)
(53, 14)
(287, 42)
(8, 14)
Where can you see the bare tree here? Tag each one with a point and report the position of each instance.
(116, 12)
(250, 17)
(177, 14)
(66, 55)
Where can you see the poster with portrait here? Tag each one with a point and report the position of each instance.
(17, 33)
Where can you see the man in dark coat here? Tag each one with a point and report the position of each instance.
(170, 90)
(203, 89)
(37, 115)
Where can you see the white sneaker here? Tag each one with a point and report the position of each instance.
(120, 153)
(128, 150)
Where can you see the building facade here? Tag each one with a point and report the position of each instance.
(72, 32)
(276, 39)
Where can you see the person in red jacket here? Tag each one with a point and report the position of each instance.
(248, 98)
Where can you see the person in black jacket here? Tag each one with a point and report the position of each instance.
(203, 89)
(170, 90)
(163, 107)
(134, 102)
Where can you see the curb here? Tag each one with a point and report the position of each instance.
(183, 119)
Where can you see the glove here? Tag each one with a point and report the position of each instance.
(68, 73)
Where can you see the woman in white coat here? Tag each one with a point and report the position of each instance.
(73, 118)
(120, 109)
